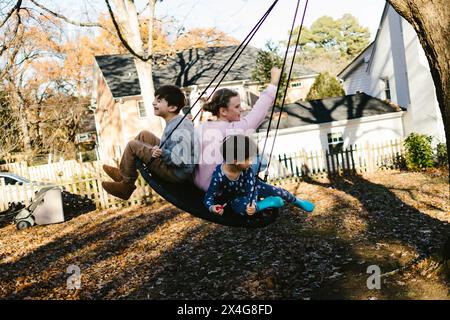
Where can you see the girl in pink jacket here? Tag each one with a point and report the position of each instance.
(225, 104)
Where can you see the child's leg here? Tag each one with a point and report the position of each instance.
(266, 190)
(162, 170)
(140, 148)
(239, 205)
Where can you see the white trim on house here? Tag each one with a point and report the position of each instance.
(356, 62)
(309, 127)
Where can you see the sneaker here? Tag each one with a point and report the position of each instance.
(119, 189)
(304, 204)
(269, 202)
(113, 173)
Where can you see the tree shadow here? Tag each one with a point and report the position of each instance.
(390, 222)
(289, 259)
(83, 247)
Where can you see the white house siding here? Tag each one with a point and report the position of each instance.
(399, 62)
(358, 81)
(381, 65)
(374, 129)
(299, 88)
(424, 115)
(398, 56)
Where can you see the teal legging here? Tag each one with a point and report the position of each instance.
(263, 190)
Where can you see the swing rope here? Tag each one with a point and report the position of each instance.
(266, 174)
(242, 45)
(284, 97)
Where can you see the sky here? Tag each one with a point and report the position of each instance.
(237, 17)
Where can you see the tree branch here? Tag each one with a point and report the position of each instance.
(60, 16)
(121, 37)
(10, 13)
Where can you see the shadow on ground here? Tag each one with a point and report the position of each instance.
(168, 254)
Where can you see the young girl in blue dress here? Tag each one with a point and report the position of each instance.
(235, 182)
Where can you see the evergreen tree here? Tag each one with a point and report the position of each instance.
(329, 45)
(266, 59)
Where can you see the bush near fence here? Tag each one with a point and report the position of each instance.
(85, 178)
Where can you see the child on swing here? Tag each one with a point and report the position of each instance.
(235, 182)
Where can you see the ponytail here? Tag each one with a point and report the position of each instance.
(219, 99)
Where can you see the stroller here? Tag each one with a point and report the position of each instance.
(45, 208)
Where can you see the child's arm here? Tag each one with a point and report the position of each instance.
(213, 191)
(251, 185)
(178, 151)
(250, 190)
(259, 111)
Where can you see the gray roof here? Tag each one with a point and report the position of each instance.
(347, 107)
(120, 74)
(189, 67)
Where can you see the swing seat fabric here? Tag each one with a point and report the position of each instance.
(187, 197)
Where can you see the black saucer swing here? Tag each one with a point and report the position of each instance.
(186, 196)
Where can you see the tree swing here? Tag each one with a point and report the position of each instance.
(186, 196)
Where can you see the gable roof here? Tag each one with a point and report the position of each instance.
(196, 66)
(348, 107)
(369, 52)
(357, 61)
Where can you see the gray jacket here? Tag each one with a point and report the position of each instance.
(179, 151)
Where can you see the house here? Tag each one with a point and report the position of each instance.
(120, 111)
(332, 124)
(394, 67)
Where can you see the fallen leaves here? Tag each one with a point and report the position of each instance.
(160, 252)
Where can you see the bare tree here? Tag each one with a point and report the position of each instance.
(33, 55)
(132, 39)
(10, 140)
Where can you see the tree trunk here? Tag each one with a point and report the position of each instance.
(25, 131)
(129, 15)
(431, 21)
(23, 119)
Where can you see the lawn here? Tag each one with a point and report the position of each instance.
(395, 220)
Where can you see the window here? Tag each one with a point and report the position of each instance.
(387, 88)
(142, 110)
(335, 142)
(296, 84)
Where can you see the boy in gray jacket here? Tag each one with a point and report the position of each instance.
(174, 162)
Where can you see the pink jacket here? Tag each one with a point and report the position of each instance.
(212, 133)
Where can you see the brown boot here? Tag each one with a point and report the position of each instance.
(119, 189)
(113, 173)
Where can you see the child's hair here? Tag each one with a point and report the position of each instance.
(173, 95)
(219, 99)
(238, 148)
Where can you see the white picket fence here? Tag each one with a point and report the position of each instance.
(352, 160)
(79, 178)
(85, 179)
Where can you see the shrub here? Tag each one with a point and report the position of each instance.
(441, 154)
(325, 86)
(419, 153)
